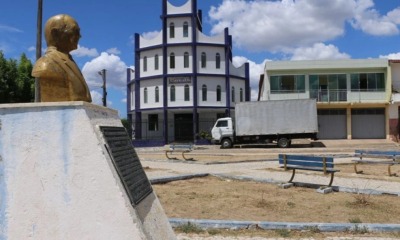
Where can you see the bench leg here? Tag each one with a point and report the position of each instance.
(183, 155)
(390, 172)
(331, 181)
(166, 154)
(355, 169)
(293, 173)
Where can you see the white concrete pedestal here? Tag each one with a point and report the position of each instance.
(57, 180)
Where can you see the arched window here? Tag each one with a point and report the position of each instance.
(186, 60)
(204, 92)
(145, 64)
(145, 95)
(217, 61)
(172, 30)
(172, 93)
(241, 94)
(172, 60)
(185, 29)
(157, 94)
(156, 63)
(187, 93)
(233, 94)
(218, 93)
(203, 60)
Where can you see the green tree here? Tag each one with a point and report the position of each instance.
(26, 83)
(16, 82)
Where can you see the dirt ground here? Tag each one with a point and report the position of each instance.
(227, 199)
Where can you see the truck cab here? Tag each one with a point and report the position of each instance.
(222, 132)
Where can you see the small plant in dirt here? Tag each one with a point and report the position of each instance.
(190, 228)
(313, 229)
(283, 233)
(359, 229)
(214, 231)
(355, 220)
(262, 203)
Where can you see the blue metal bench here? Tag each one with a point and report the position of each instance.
(310, 163)
(184, 148)
(389, 158)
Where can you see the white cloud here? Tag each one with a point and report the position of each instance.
(318, 51)
(97, 98)
(371, 22)
(277, 25)
(115, 71)
(150, 35)
(114, 51)
(391, 56)
(85, 52)
(255, 71)
(124, 100)
(5, 28)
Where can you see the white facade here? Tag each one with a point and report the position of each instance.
(184, 80)
(353, 95)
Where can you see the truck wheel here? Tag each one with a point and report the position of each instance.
(226, 143)
(283, 143)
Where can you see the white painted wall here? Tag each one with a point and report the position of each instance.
(178, 23)
(185, 8)
(211, 83)
(151, 85)
(144, 42)
(57, 180)
(211, 56)
(151, 55)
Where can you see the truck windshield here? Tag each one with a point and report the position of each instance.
(222, 123)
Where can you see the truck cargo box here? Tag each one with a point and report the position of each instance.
(276, 117)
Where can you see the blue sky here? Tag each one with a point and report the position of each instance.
(262, 30)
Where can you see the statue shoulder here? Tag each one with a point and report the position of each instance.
(45, 66)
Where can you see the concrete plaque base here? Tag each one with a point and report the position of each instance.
(57, 180)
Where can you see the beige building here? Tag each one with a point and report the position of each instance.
(354, 96)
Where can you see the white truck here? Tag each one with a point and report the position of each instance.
(268, 121)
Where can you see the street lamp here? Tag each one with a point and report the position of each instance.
(102, 73)
(38, 46)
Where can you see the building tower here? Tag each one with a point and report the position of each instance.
(183, 79)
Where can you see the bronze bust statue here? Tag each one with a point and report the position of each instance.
(59, 77)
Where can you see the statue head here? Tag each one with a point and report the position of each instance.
(62, 32)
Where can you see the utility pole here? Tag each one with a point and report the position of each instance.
(102, 73)
(38, 46)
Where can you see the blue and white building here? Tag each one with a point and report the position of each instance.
(183, 80)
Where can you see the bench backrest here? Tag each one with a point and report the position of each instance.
(181, 147)
(374, 153)
(306, 161)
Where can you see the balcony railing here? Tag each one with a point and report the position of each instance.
(333, 95)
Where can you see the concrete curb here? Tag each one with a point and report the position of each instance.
(323, 227)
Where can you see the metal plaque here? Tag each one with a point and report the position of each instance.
(127, 163)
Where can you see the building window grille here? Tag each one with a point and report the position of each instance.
(203, 60)
(157, 94)
(145, 64)
(172, 93)
(185, 29)
(156, 62)
(187, 93)
(172, 61)
(186, 60)
(218, 61)
(171, 30)
(218, 93)
(145, 95)
(204, 92)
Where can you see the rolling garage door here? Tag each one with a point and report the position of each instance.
(368, 123)
(332, 124)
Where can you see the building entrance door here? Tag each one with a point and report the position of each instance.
(183, 127)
